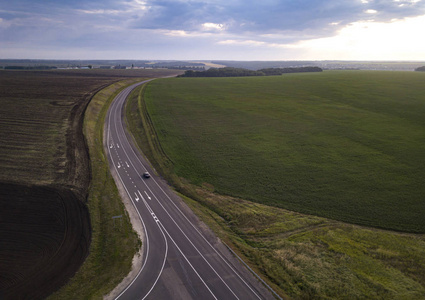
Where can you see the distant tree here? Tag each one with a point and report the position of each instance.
(235, 72)
(222, 72)
(280, 71)
(14, 68)
(29, 68)
(420, 69)
(189, 73)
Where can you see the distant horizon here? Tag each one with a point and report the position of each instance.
(198, 64)
(209, 60)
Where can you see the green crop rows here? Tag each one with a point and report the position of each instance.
(346, 145)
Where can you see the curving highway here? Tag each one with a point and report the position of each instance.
(182, 259)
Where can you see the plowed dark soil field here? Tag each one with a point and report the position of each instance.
(45, 238)
(44, 176)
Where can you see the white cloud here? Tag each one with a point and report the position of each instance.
(137, 5)
(405, 3)
(408, 1)
(371, 41)
(371, 11)
(174, 32)
(242, 42)
(212, 26)
(100, 11)
(254, 43)
(180, 33)
(132, 7)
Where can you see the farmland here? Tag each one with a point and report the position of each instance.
(300, 255)
(44, 178)
(44, 181)
(342, 145)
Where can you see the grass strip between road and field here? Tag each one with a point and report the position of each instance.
(114, 242)
(300, 256)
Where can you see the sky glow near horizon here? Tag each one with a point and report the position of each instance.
(213, 29)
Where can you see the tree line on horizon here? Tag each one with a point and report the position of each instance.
(237, 72)
(29, 67)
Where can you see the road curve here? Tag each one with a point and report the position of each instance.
(182, 259)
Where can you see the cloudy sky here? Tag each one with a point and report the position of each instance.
(213, 29)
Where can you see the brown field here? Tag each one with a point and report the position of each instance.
(44, 220)
(45, 238)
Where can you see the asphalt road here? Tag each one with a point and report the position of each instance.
(182, 259)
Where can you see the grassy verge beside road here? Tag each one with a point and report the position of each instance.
(308, 257)
(113, 245)
(302, 256)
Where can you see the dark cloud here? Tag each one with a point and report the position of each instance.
(176, 15)
(266, 16)
(271, 16)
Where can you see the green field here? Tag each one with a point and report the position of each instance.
(347, 145)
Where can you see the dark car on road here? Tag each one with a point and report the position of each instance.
(146, 175)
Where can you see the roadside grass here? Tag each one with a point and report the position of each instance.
(301, 256)
(143, 131)
(343, 145)
(308, 257)
(113, 243)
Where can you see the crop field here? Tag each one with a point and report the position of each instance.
(36, 115)
(36, 124)
(345, 145)
(44, 180)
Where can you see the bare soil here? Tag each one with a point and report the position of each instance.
(44, 220)
(45, 234)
